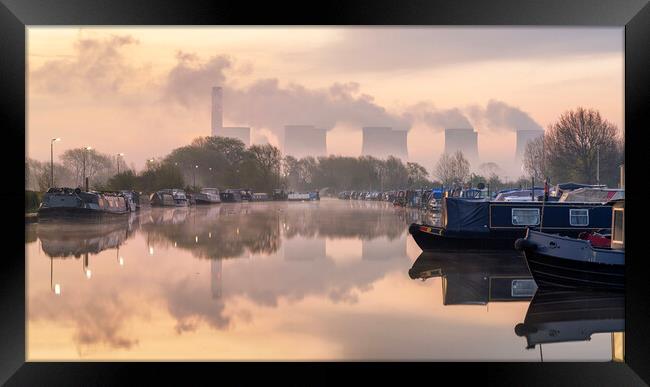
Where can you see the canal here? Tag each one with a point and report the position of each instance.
(328, 280)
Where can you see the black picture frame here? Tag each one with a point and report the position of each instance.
(15, 15)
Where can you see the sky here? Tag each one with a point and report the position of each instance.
(144, 91)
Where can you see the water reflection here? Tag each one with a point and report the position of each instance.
(258, 281)
(470, 278)
(67, 239)
(564, 316)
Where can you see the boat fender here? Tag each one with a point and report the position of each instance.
(522, 244)
(522, 329)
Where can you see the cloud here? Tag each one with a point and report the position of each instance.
(498, 115)
(191, 80)
(98, 320)
(397, 49)
(98, 66)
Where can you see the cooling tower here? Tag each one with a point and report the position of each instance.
(383, 248)
(304, 140)
(523, 138)
(381, 142)
(465, 140)
(301, 248)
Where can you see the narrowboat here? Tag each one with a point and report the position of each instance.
(563, 315)
(476, 278)
(279, 194)
(208, 196)
(558, 261)
(169, 198)
(75, 203)
(260, 197)
(481, 224)
(230, 196)
(295, 196)
(132, 199)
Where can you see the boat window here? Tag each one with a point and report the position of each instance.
(525, 216)
(579, 217)
(523, 288)
(617, 231)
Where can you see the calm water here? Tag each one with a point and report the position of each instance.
(322, 280)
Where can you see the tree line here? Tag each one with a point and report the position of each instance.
(570, 150)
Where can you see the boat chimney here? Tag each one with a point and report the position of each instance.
(621, 183)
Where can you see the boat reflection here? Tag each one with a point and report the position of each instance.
(68, 239)
(472, 278)
(556, 316)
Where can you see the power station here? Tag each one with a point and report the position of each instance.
(383, 141)
(523, 138)
(304, 140)
(464, 140)
(239, 132)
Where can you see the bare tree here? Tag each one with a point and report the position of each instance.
(579, 141)
(536, 158)
(96, 163)
(452, 169)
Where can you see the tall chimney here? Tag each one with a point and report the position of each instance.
(217, 110)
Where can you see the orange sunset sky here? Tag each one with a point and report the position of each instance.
(144, 91)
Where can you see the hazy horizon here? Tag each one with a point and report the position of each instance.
(144, 91)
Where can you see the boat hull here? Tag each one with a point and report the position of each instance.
(77, 212)
(438, 239)
(554, 272)
(560, 262)
(207, 201)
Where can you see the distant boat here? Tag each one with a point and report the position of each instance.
(169, 198)
(559, 316)
(75, 203)
(231, 196)
(480, 224)
(208, 196)
(260, 197)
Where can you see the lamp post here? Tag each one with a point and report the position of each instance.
(118, 161)
(52, 160)
(84, 174)
(194, 176)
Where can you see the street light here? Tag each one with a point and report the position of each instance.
(194, 176)
(85, 180)
(118, 161)
(52, 160)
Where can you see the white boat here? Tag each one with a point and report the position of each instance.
(208, 196)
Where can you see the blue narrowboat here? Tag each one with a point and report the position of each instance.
(473, 224)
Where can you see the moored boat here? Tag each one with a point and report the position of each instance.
(208, 196)
(169, 198)
(230, 196)
(480, 224)
(557, 261)
(75, 203)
